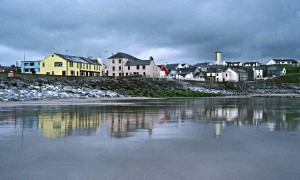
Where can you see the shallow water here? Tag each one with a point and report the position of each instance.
(199, 138)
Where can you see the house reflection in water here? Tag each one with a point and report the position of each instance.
(123, 120)
(59, 124)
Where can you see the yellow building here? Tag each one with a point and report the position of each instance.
(60, 124)
(58, 64)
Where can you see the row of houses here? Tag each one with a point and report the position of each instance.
(122, 65)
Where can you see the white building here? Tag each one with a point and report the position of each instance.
(283, 61)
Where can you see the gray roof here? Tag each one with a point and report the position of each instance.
(138, 62)
(77, 59)
(274, 68)
(190, 69)
(205, 64)
(123, 55)
(172, 66)
(286, 60)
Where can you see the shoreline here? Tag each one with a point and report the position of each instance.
(112, 101)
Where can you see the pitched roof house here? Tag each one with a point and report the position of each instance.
(59, 64)
(283, 61)
(187, 73)
(122, 64)
(276, 71)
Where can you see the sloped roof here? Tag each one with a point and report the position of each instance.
(285, 60)
(275, 68)
(77, 59)
(205, 64)
(187, 70)
(123, 55)
(172, 66)
(138, 62)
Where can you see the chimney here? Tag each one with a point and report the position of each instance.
(151, 58)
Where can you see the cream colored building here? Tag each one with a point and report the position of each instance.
(122, 64)
(65, 65)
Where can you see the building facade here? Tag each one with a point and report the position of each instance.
(30, 67)
(283, 61)
(65, 65)
(122, 64)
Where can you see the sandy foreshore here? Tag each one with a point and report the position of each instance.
(115, 101)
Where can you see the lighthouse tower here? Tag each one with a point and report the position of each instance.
(218, 57)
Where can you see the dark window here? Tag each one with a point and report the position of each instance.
(31, 64)
(113, 61)
(120, 68)
(47, 73)
(58, 64)
(52, 72)
(71, 64)
(128, 67)
(52, 55)
(120, 74)
(120, 60)
(113, 74)
(144, 74)
(137, 67)
(144, 67)
(113, 68)
(44, 65)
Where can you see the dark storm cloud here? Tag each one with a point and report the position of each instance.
(184, 31)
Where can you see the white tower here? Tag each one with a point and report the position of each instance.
(218, 58)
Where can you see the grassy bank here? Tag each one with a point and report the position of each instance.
(290, 78)
(174, 93)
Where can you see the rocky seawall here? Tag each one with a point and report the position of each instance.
(18, 89)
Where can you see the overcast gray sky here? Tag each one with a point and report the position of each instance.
(185, 31)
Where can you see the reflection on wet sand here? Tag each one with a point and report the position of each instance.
(59, 124)
(275, 114)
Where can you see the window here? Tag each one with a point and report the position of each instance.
(144, 67)
(72, 73)
(120, 74)
(57, 64)
(44, 65)
(137, 67)
(47, 73)
(128, 67)
(77, 65)
(120, 68)
(113, 68)
(144, 73)
(126, 74)
(120, 60)
(31, 64)
(71, 64)
(113, 74)
(52, 72)
(113, 61)
(52, 55)
(26, 64)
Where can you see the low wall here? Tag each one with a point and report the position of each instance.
(49, 77)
